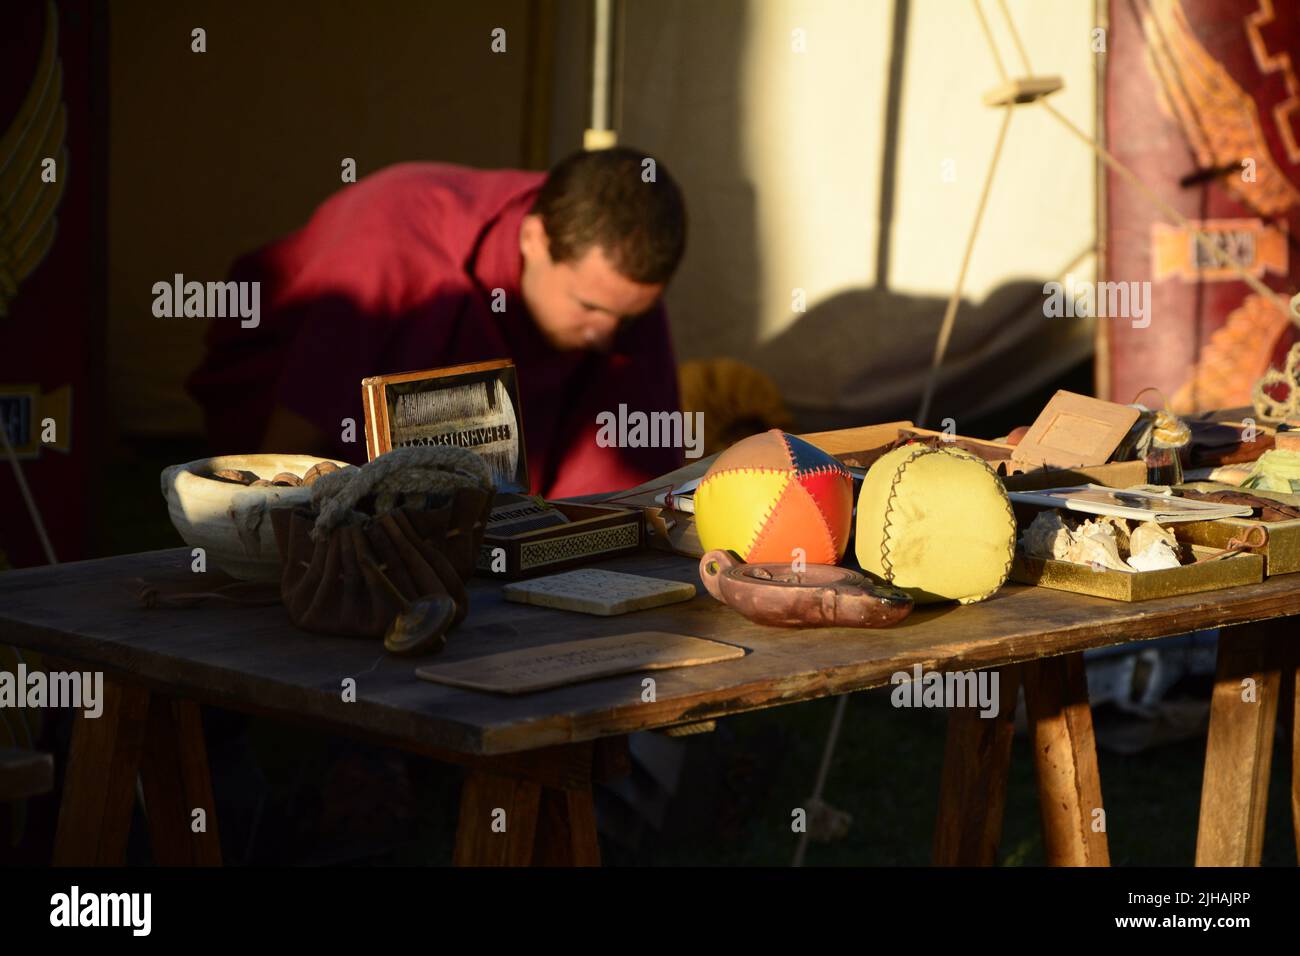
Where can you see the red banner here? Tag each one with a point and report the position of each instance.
(1203, 104)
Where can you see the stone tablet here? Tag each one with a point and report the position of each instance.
(593, 591)
(555, 665)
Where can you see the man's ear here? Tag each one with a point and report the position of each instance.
(533, 241)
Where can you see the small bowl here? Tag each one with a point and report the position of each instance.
(229, 521)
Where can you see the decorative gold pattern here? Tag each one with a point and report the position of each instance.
(1267, 406)
(1234, 358)
(537, 554)
(586, 544)
(1218, 117)
(1276, 63)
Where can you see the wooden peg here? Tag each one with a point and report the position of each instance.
(1026, 89)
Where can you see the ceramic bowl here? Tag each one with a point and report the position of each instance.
(228, 520)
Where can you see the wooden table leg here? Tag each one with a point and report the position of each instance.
(1239, 749)
(160, 739)
(498, 820)
(566, 829)
(973, 790)
(510, 817)
(1065, 758)
(177, 782)
(99, 781)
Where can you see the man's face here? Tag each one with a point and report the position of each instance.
(578, 304)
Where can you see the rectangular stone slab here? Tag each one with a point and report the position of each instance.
(597, 591)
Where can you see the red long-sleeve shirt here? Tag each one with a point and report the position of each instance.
(396, 273)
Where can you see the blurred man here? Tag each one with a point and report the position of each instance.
(423, 265)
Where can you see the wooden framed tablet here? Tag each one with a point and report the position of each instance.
(473, 406)
(477, 406)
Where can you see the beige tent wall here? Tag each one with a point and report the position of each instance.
(782, 154)
(214, 154)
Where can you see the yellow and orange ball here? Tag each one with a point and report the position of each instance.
(770, 494)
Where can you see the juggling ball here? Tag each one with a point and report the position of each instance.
(770, 494)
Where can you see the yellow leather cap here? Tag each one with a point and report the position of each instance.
(937, 523)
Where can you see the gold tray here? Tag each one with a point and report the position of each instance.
(1281, 550)
(1141, 585)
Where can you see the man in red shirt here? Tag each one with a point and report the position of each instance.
(423, 265)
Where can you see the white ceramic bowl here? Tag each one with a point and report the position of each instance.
(228, 520)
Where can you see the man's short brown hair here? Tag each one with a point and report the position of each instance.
(601, 198)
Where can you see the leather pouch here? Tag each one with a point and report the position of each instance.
(330, 585)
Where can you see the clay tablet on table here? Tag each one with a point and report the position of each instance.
(555, 665)
(593, 591)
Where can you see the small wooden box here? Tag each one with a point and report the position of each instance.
(860, 447)
(1018, 475)
(594, 533)
(477, 406)
(1115, 474)
(864, 445)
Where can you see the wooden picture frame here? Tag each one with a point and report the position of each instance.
(486, 415)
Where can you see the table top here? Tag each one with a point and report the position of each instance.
(253, 659)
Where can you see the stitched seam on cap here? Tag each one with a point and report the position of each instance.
(889, 508)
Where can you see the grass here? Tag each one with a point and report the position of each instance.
(886, 774)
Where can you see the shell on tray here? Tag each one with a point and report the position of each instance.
(1104, 541)
(1095, 542)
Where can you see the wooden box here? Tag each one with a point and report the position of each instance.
(477, 406)
(863, 445)
(1115, 474)
(1018, 475)
(594, 533)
